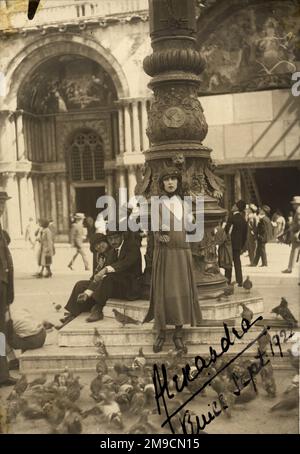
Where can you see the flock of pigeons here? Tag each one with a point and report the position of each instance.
(126, 393)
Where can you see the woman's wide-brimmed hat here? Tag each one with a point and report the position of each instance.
(296, 199)
(169, 172)
(4, 195)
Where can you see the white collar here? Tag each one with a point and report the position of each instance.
(119, 248)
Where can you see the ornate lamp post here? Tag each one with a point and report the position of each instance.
(177, 127)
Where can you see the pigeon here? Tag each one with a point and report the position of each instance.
(289, 402)
(143, 426)
(229, 290)
(96, 386)
(247, 284)
(246, 314)
(101, 367)
(71, 424)
(54, 415)
(73, 390)
(268, 380)
(21, 385)
(124, 319)
(264, 341)
(284, 312)
(99, 343)
(39, 380)
(120, 368)
(294, 384)
(140, 361)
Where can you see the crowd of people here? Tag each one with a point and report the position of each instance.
(117, 266)
(248, 230)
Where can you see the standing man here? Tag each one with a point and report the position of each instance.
(77, 238)
(264, 234)
(6, 293)
(294, 234)
(237, 225)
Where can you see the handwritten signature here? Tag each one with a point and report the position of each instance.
(204, 369)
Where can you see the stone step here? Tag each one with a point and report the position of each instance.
(79, 333)
(51, 359)
(226, 308)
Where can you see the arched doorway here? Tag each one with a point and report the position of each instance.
(85, 161)
(69, 111)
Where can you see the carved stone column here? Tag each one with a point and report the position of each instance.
(136, 127)
(177, 126)
(127, 126)
(24, 201)
(13, 205)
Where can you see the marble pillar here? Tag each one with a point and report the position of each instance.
(24, 201)
(131, 181)
(136, 127)
(127, 126)
(237, 185)
(121, 130)
(13, 205)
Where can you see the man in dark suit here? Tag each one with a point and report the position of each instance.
(119, 278)
(6, 294)
(237, 226)
(264, 234)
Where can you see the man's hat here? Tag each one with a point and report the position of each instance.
(97, 238)
(266, 209)
(4, 195)
(253, 207)
(79, 216)
(296, 200)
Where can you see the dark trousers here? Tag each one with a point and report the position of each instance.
(236, 255)
(77, 308)
(112, 286)
(29, 342)
(261, 253)
(4, 372)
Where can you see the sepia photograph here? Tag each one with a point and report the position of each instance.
(149, 219)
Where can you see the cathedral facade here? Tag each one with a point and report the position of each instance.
(74, 101)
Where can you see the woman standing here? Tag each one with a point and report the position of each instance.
(46, 249)
(173, 292)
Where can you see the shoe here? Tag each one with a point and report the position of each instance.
(70, 266)
(178, 342)
(287, 271)
(10, 381)
(87, 269)
(48, 275)
(95, 315)
(39, 275)
(159, 343)
(14, 364)
(68, 318)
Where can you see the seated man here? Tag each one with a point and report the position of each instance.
(119, 278)
(26, 334)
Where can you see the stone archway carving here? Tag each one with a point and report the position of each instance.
(38, 52)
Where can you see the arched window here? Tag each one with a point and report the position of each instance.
(86, 157)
